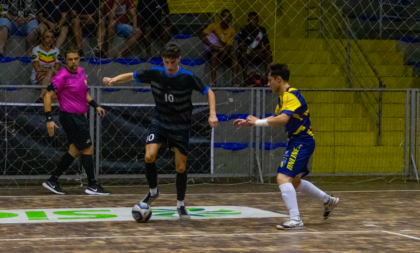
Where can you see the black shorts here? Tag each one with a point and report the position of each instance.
(77, 129)
(174, 139)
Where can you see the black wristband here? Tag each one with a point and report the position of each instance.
(93, 104)
(48, 115)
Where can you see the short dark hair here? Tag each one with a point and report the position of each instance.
(252, 13)
(277, 69)
(70, 50)
(225, 10)
(171, 51)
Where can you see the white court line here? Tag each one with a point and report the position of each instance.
(409, 236)
(183, 235)
(197, 194)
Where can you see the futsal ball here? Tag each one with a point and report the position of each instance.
(142, 212)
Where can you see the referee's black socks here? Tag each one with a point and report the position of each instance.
(87, 163)
(64, 163)
(151, 175)
(181, 185)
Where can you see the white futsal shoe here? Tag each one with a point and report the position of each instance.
(290, 224)
(329, 206)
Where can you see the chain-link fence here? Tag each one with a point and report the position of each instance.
(349, 145)
(326, 43)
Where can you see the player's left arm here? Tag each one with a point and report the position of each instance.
(93, 103)
(211, 98)
(292, 103)
(199, 86)
(279, 120)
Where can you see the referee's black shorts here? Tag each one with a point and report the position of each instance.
(77, 129)
(179, 139)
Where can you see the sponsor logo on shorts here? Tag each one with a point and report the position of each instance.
(293, 157)
(88, 141)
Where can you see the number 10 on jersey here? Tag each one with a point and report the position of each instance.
(169, 98)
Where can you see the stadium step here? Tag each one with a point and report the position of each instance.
(316, 70)
(354, 159)
(378, 45)
(317, 82)
(389, 138)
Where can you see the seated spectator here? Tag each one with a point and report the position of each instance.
(218, 42)
(253, 44)
(45, 62)
(151, 14)
(88, 19)
(18, 17)
(118, 12)
(53, 15)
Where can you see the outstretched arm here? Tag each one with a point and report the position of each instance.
(280, 120)
(211, 98)
(272, 121)
(118, 79)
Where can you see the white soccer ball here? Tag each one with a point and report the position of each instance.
(142, 212)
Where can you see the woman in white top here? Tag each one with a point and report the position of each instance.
(45, 62)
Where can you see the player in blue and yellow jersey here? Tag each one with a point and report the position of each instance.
(292, 112)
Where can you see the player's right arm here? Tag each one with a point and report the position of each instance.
(47, 108)
(118, 79)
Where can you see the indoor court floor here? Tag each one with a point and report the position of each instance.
(370, 217)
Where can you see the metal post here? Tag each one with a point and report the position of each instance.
(5, 132)
(263, 135)
(381, 16)
(416, 144)
(92, 117)
(251, 140)
(306, 19)
(98, 133)
(258, 135)
(321, 13)
(412, 128)
(406, 132)
(380, 118)
(348, 59)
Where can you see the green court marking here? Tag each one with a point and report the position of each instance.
(84, 214)
(36, 215)
(8, 215)
(98, 214)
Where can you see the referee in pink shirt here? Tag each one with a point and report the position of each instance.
(71, 88)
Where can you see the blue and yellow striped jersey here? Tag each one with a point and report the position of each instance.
(293, 103)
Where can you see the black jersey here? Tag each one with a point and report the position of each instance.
(172, 96)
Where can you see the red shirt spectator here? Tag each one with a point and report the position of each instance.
(121, 9)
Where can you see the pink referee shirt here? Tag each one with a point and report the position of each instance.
(71, 90)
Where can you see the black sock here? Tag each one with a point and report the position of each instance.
(64, 163)
(181, 185)
(87, 163)
(151, 175)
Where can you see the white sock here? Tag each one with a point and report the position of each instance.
(289, 196)
(312, 191)
(179, 204)
(153, 191)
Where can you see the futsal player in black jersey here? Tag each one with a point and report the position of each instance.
(171, 88)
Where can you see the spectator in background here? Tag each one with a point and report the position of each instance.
(88, 18)
(18, 17)
(53, 15)
(218, 41)
(118, 13)
(151, 14)
(45, 62)
(253, 44)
